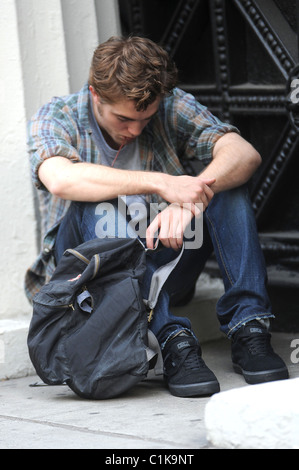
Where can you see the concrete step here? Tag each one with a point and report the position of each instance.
(262, 416)
(14, 357)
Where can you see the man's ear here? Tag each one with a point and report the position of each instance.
(91, 88)
(95, 96)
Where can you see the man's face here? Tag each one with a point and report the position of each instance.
(120, 122)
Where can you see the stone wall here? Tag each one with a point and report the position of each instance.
(45, 50)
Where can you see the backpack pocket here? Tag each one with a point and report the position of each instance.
(110, 344)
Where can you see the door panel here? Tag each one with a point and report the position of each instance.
(240, 58)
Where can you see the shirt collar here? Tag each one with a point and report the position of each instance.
(83, 105)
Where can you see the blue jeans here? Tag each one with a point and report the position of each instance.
(229, 230)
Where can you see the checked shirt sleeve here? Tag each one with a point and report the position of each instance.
(197, 129)
(52, 132)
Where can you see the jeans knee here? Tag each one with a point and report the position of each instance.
(231, 202)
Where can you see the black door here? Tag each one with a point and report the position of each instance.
(240, 58)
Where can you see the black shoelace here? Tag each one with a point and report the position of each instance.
(258, 345)
(193, 359)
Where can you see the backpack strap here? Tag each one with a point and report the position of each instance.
(159, 278)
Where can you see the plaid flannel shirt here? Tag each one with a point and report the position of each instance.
(181, 131)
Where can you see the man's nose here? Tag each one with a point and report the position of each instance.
(135, 128)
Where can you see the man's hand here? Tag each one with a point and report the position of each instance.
(188, 190)
(169, 226)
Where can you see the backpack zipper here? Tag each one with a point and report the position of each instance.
(57, 306)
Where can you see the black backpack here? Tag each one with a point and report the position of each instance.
(89, 327)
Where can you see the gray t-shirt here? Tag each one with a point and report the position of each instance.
(128, 159)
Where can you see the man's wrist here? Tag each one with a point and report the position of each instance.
(156, 182)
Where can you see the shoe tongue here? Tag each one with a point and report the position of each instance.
(182, 344)
(254, 328)
(182, 340)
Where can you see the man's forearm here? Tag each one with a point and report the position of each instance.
(91, 183)
(99, 183)
(234, 162)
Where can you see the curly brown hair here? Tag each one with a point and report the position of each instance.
(133, 68)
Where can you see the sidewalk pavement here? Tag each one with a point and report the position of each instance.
(147, 417)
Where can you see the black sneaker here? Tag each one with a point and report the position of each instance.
(185, 372)
(253, 356)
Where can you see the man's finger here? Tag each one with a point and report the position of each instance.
(152, 232)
